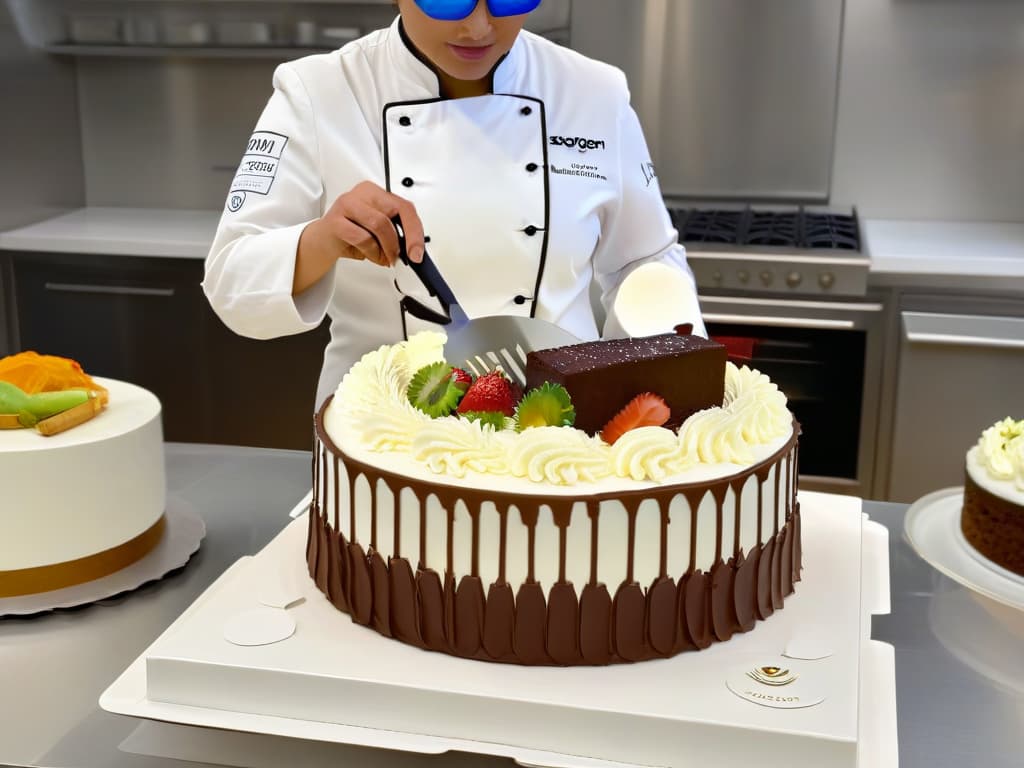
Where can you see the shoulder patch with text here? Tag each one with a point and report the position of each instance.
(258, 169)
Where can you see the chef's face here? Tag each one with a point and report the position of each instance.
(466, 49)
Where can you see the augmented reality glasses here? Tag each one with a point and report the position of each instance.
(453, 10)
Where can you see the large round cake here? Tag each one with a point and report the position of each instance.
(547, 545)
(84, 503)
(992, 519)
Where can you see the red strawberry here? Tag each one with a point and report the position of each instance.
(461, 379)
(491, 392)
(646, 410)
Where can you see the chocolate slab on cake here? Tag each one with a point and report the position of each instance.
(687, 371)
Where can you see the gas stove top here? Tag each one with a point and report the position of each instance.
(789, 252)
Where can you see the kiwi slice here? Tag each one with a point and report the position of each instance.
(495, 418)
(549, 405)
(432, 391)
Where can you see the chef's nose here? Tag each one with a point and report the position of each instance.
(478, 24)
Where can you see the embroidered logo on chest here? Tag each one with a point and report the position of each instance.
(580, 143)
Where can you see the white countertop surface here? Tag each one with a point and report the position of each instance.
(902, 252)
(119, 232)
(948, 247)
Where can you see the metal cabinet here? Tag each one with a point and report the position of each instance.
(146, 321)
(958, 373)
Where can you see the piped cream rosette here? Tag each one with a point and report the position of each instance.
(372, 401)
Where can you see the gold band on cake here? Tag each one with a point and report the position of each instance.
(28, 581)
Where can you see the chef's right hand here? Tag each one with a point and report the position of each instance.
(358, 225)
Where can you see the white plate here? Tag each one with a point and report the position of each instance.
(932, 526)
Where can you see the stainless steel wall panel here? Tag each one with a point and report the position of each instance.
(737, 97)
(931, 110)
(167, 133)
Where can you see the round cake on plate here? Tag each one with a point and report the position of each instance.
(992, 519)
(85, 502)
(547, 544)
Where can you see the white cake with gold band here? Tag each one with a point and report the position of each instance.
(83, 503)
(549, 546)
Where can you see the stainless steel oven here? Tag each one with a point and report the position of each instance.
(786, 292)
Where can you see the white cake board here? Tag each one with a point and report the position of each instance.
(334, 681)
(182, 535)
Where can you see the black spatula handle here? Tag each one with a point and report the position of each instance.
(426, 271)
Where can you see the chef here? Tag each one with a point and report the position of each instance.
(517, 164)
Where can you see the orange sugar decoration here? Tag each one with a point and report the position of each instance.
(32, 373)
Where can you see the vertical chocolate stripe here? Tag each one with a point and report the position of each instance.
(765, 606)
(593, 508)
(431, 609)
(628, 621)
(360, 596)
(502, 542)
(661, 615)
(632, 506)
(499, 621)
(531, 624)
(563, 624)
(469, 616)
(595, 623)
(745, 591)
(402, 584)
(723, 612)
(337, 494)
(381, 599)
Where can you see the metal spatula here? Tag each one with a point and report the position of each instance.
(482, 344)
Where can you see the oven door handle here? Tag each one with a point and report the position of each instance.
(781, 322)
(964, 340)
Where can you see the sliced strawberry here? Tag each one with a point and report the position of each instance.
(490, 392)
(645, 410)
(461, 379)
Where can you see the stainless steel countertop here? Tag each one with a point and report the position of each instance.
(959, 661)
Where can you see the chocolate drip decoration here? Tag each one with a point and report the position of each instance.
(723, 611)
(531, 623)
(469, 616)
(595, 624)
(402, 585)
(765, 605)
(499, 621)
(528, 623)
(563, 621)
(662, 617)
(698, 619)
(381, 594)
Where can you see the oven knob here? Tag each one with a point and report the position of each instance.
(826, 280)
(743, 276)
(793, 279)
(717, 277)
(767, 277)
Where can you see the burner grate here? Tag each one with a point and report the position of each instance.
(794, 229)
(710, 226)
(767, 228)
(831, 230)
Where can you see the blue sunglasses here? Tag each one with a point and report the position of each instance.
(453, 10)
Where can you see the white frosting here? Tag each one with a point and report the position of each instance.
(371, 406)
(1001, 452)
(85, 490)
(370, 422)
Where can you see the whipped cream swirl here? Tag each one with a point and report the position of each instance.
(1001, 451)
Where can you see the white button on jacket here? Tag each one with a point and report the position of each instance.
(527, 195)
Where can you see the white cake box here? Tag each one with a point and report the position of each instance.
(333, 680)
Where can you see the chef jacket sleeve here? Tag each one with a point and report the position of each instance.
(636, 230)
(276, 192)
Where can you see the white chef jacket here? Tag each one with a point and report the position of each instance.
(340, 118)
